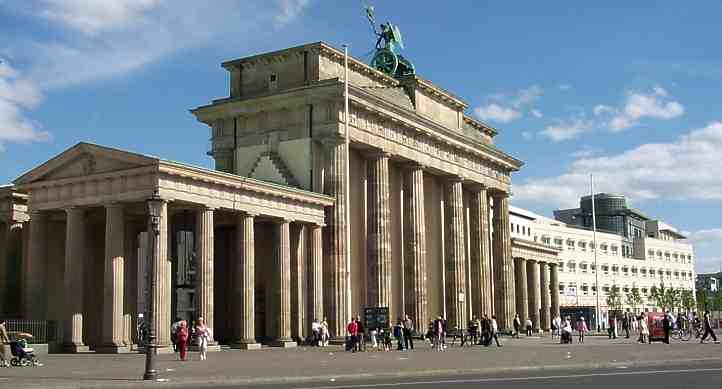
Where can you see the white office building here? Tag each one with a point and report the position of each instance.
(660, 256)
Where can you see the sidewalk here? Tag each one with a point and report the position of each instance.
(272, 365)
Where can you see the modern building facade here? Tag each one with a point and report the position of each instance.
(258, 247)
(659, 256)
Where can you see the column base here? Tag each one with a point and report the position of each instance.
(158, 350)
(112, 349)
(73, 348)
(283, 343)
(246, 346)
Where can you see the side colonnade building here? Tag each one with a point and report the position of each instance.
(257, 246)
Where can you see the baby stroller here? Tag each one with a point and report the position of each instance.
(23, 355)
(566, 337)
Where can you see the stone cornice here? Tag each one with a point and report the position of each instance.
(418, 123)
(433, 90)
(534, 247)
(481, 126)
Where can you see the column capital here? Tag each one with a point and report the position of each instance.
(332, 140)
(74, 209)
(476, 187)
(499, 194)
(376, 154)
(36, 214)
(113, 204)
(452, 179)
(204, 207)
(248, 214)
(413, 165)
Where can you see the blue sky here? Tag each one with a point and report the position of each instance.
(629, 92)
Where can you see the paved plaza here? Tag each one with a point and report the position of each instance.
(312, 365)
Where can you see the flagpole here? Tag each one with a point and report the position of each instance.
(594, 239)
(347, 194)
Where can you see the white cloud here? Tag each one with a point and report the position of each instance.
(505, 109)
(537, 113)
(496, 113)
(290, 9)
(686, 169)
(585, 152)
(564, 87)
(528, 135)
(527, 96)
(91, 17)
(94, 40)
(654, 104)
(16, 95)
(567, 129)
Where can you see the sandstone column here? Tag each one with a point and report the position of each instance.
(522, 292)
(554, 288)
(161, 273)
(315, 274)
(299, 251)
(74, 286)
(482, 303)
(4, 253)
(36, 267)
(416, 298)
(455, 255)
(379, 232)
(244, 285)
(335, 269)
(532, 269)
(283, 285)
(113, 281)
(545, 302)
(204, 241)
(503, 262)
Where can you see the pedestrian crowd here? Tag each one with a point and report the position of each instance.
(182, 336)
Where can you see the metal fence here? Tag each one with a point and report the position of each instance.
(43, 331)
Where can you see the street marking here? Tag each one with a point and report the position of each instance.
(512, 379)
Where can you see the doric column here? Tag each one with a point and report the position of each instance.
(455, 256)
(335, 254)
(545, 298)
(480, 261)
(379, 232)
(534, 290)
(161, 272)
(416, 298)
(4, 253)
(554, 288)
(74, 286)
(113, 280)
(283, 285)
(522, 293)
(36, 268)
(299, 251)
(503, 262)
(315, 273)
(244, 285)
(204, 266)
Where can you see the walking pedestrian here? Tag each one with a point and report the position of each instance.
(408, 330)
(612, 330)
(324, 333)
(495, 331)
(174, 333)
(667, 325)
(556, 326)
(204, 335)
(360, 332)
(566, 331)
(626, 323)
(3, 341)
(643, 329)
(582, 329)
(528, 326)
(517, 326)
(351, 329)
(438, 333)
(399, 335)
(181, 336)
(708, 328)
(315, 333)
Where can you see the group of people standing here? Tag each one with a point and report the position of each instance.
(319, 333)
(182, 335)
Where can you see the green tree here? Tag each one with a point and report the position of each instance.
(634, 298)
(717, 302)
(614, 298)
(702, 300)
(687, 298)
(659, 294)
(672, 298)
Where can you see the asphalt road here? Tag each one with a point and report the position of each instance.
(697, 375)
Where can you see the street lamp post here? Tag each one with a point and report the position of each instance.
(154, 208)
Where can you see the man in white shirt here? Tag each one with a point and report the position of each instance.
(316, 332)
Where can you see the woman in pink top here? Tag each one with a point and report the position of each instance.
(582, 328)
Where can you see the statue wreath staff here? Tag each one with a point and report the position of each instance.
(386, 59)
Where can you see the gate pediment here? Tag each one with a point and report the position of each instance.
(85, 159)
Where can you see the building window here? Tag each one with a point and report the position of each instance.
(582, 245)
(585, 289)
(512, 228)
(546, 240)
(614, 250)
(523, 230)
(558, 242)
(583, 267)
(561, 288)
(570, 244)
(605, 269)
